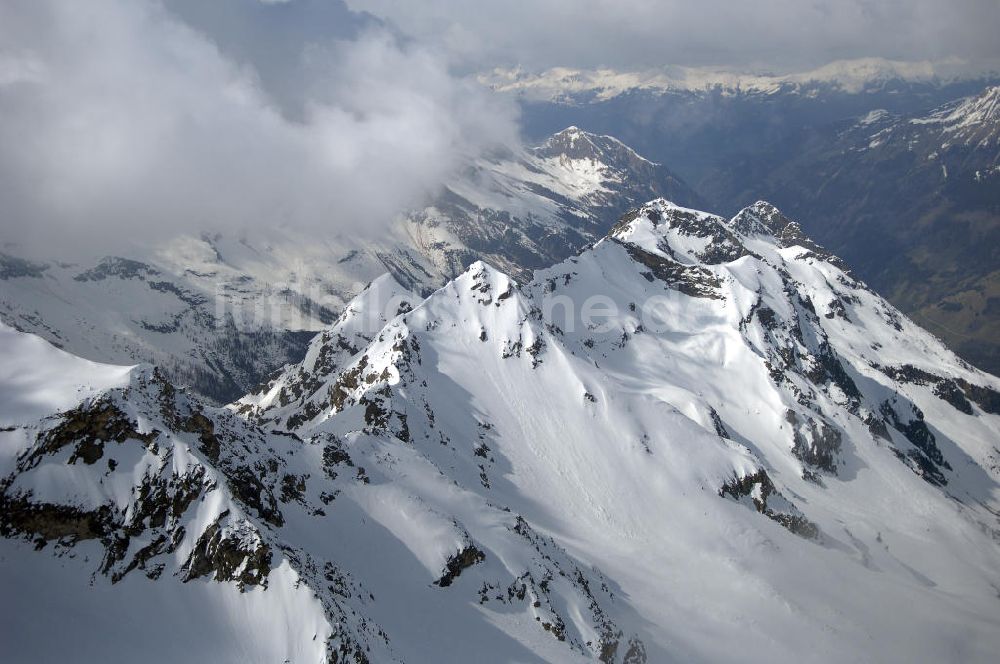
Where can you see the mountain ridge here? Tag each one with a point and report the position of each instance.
(221, 311)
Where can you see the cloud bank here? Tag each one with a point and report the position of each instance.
(136, 119)
(779, 36)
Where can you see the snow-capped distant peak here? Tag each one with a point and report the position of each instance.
(873, 117)
(648, 224)
(666, 229)
(573, 142)
(972, 120)
(851, 76)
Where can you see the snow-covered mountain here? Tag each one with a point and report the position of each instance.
(966, 128)
(970, 122)
(698, 438)
(222, 311)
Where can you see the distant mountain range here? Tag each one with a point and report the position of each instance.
(862, 75)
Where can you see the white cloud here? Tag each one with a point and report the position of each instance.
(119, 120)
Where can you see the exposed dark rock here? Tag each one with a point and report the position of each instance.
(927, 455)
(950, 392)
(87, 427)
(828, 368)
(293, 488)
(246, 485)
(346, 383)
(636, 653)
(877, 426)
(535, 350)
(335, 455)
(121, 268)
(908, 373)
(462, 560)
(692, 280)
(760, 483)
(205, 428)
(46, 521)
(229, 557)
(818, 445)
(720, 427)
(376, 414)
(985, 397)
(957, 392)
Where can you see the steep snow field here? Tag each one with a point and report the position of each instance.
(37, 380)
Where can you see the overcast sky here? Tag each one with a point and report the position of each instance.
(770, 35)
(128, 118)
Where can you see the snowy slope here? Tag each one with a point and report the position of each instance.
(697, 438)
(753, 369)
(972, 121)
(37, 380)
(221, 311)
(244, 545)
